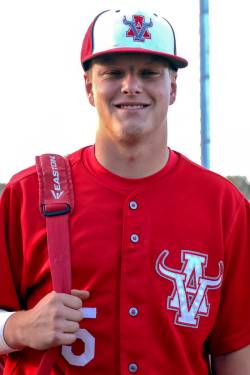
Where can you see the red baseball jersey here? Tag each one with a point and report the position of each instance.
(166, 259)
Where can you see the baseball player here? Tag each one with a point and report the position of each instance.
(160, 247)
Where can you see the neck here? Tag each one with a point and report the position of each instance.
(132, 161)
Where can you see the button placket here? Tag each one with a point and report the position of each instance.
(133, 251)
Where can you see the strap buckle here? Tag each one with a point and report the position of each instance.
(49, 210)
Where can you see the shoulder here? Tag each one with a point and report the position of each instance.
(28, 178)
(76, 157)
(208, 191)
(20, 181)
(205, 179)
(30, 172)
(23, 175)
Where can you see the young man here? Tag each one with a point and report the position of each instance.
(159, 245)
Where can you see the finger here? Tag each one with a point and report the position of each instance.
(82, 294)
(67, 339)
(72, 314)
(71, 301)
(71, 327)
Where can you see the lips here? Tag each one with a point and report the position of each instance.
(131, 106)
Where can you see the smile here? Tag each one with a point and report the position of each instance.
(132, 106)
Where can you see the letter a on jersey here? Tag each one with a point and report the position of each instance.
(189, 298)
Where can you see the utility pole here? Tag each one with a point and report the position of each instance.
(204, 83)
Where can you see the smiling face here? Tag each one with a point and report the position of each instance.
(131, 93)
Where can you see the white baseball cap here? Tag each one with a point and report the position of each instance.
(121, 31)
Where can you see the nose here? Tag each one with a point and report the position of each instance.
(131, 84)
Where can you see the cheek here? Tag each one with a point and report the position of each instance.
(160, 91)
(95, 97)
(163, 101)
(164, 97)
(103, 96)
(102, 103)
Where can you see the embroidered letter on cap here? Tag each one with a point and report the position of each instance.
(138, 28)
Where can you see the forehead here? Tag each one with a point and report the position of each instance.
(129, 58)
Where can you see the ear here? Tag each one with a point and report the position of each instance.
(173, 89)
(89, 88)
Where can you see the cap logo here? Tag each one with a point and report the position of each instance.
(138, 28)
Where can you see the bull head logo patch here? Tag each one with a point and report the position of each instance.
(138, 28)
(189, 297)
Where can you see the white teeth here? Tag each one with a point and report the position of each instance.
(131, 106)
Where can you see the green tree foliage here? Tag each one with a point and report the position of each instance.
(1, 187)
(242, 184)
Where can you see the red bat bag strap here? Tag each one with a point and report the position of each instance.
(56, 203)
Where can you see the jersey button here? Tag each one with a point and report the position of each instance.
(132, 367)
(133, 205)
(133, 311)
(134, 238)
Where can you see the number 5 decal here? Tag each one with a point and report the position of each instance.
(87, 339)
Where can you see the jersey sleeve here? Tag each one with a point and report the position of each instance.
(232, 328)
(10, 250)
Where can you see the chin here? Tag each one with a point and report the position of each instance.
(130, 134)
(130, 140)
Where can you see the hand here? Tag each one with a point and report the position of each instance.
(53, 321)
